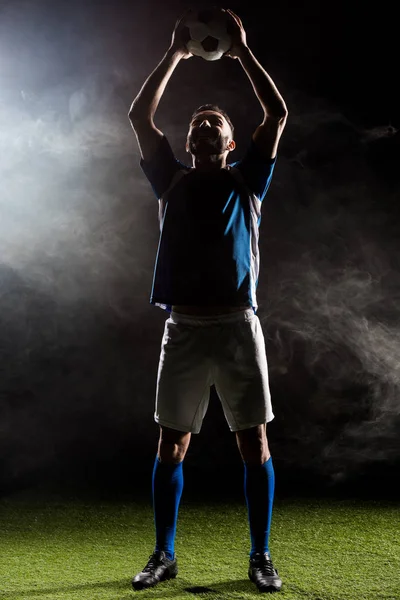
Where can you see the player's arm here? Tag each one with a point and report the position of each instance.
(268, 133)
(144, 106)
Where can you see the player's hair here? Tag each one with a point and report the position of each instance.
(215, 108)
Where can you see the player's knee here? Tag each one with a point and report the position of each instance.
(255, 459)
(171, 453)
(253, 445)
(254, 453)
(172, 446)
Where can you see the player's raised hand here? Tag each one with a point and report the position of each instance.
(237, 33)
(178, 42)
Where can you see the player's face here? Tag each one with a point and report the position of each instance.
(209, 133)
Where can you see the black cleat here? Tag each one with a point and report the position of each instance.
(159, 568)
(263, 574)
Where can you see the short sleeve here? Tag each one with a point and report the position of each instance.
(256, 170)
(161, 168)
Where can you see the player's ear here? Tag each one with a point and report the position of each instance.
(232, 145)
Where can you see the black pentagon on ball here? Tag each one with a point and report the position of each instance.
(210, 44)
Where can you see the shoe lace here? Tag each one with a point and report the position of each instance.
(152, 563)
(266, 567)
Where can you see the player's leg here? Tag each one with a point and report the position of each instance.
(259, 484)
(172, 445)
(253, 445)
(259, 487)
(182, 395)
(243, 387)
(167, 486)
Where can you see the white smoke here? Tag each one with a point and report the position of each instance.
(71, 197)
(333, 290)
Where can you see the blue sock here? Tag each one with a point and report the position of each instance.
(167, 486)
(259, 486)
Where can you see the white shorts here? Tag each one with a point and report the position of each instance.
(225, 350)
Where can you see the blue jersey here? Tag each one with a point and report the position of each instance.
(209, 228)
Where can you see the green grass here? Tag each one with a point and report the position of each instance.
(81, 550)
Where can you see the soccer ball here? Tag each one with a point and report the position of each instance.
(205, 33)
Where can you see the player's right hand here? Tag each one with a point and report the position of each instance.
(178, 42)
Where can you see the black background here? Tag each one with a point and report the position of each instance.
(79, 341)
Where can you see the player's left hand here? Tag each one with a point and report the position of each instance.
(237, 33)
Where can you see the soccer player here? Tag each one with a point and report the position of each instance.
(205, 277)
